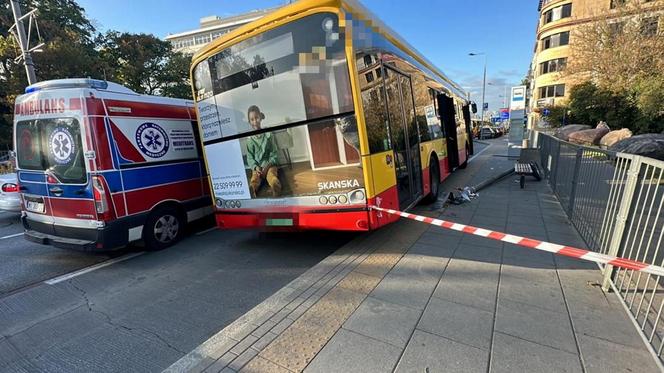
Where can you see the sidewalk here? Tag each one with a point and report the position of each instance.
(417, 298)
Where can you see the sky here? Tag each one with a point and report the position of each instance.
(444, 31)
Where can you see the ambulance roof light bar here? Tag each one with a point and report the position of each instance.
(78, 83)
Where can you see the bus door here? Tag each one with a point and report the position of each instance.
(447, 115)
(405, 137)
(469, 128)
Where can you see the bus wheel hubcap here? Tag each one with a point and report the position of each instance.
(166, 228)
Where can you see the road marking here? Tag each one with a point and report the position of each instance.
(206, 231)
(107, 263)
(12, 235)
(477, 155)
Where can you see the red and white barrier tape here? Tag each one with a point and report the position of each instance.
(533, 244)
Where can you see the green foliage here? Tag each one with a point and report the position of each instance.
(558, 116)
(73, 48)
(637, 111)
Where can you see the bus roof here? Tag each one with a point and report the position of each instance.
(355, 8)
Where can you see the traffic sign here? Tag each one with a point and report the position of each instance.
(546, 112)
(486, 105)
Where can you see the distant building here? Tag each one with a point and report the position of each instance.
(212, 27)
(558, 20)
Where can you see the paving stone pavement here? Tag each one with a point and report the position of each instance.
(417, 298)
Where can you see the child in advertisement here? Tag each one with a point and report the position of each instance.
(261, 156)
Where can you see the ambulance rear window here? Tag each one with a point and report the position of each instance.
(52, 145)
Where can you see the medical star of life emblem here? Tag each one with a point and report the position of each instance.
(61, 144)
(152, 140)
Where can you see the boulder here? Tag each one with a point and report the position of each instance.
(589, 137)
(564, 131)
(648, 145)
(613, 137)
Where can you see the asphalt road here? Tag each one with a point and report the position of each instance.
(23, 263)
(142, 311)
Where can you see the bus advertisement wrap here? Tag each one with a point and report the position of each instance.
(276, 115)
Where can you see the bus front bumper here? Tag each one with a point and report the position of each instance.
(356, 219)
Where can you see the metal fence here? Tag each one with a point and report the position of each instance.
(615, 201)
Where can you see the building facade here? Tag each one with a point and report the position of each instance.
(558, 21)
(212, 27)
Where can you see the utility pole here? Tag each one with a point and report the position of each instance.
(473, 54)
(23, 42)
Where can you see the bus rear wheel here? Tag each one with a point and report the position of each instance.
(434, 181)
(163, 228)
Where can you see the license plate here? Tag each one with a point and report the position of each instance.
(279, 222)
(34, 206)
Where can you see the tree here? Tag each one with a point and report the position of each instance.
(69, 52)
(622, 54)
(175, 76)
(145, 64)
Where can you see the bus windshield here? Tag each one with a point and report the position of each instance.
(52, 145)
(276, 112)
(294, 73)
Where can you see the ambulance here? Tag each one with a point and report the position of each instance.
(100, 166)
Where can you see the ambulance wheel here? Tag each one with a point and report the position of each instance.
(163, 228)
(434, 181)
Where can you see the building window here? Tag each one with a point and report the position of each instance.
(551, 66)
(649, 26)
(557, 13)
(548, 91)
(369, 76)
(367, 60)
(378, 73)
(555, 40)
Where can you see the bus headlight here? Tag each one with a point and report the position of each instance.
(332, 199)
(357, 196)
(323, 200)
(343, 199)
(219, 202)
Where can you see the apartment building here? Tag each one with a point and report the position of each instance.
(557, 24)
(212, 27)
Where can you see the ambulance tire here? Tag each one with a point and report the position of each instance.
(434, 181)
(163, 228)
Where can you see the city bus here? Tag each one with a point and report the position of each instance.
(100, 166)
(317, 111)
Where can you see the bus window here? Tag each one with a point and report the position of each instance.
(373, 102)
(308, 69)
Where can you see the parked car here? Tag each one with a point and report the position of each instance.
(488, 132)
(9, 197)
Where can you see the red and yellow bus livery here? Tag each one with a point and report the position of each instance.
(313, 113)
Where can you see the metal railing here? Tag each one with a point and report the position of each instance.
(615, 201)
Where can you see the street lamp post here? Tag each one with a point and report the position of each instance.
(483, 80)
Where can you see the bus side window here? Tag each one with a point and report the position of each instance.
(374, 104)
(437, 131)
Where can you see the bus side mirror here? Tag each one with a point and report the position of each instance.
(473, 108)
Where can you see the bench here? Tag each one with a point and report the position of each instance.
(525, 169)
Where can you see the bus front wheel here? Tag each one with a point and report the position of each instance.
(434, 181)
(163, 228)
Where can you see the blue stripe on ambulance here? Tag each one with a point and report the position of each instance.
(164, 174)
